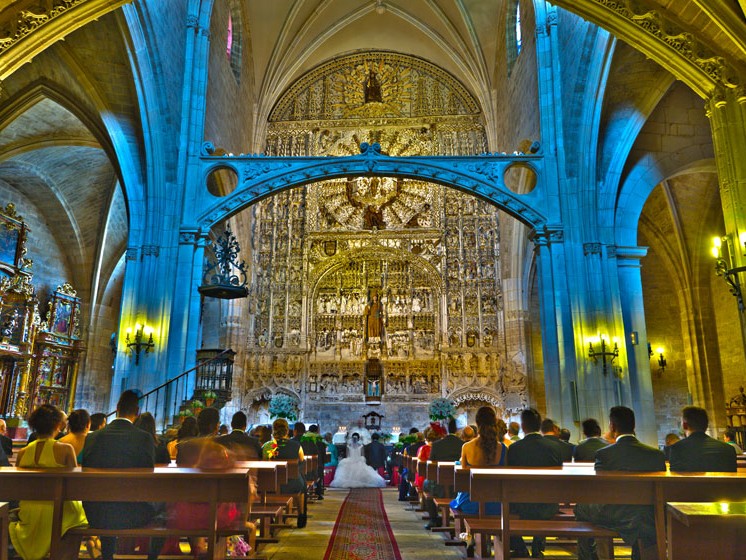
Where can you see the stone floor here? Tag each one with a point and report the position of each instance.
(310, 543)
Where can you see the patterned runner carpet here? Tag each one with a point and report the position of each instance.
(362, 530)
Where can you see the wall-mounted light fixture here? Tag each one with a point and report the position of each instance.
(142, 339)
(603, 350)
(661, 358)
(726, 270)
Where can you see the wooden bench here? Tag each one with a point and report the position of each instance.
(706, 530)
(583, 485)
(132, 485)
(3, 530)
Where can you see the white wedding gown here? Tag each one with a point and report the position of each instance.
(353, 472)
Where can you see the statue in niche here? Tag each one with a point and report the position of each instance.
(373, 318)
(373, 218)
(372, 88)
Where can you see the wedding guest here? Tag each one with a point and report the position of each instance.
(514, 429)
(31, 535)
(730, 438)
(119, 446)
(187, 430)
(78, 426)
(698, 452)
(244, 446)
(146, 422)
(467, 433)
(5, 442)
(98, 421)
(433, 433)
(262, 433)
(585, 451)
(487, 450)
(282, 448)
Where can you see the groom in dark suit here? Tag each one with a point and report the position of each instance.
(375, 453)
(634, 523)
(120, 445)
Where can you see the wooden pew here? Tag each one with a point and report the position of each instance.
(706, 530)
(582, 485)
(165, 484)
(3, 530)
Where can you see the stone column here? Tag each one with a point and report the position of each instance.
(635, 348)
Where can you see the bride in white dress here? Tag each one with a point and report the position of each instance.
(353, 472)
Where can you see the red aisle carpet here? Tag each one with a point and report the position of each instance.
(362, 530)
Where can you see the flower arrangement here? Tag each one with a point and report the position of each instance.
(311, 436)
(197, 404)
(186, 412)
(283, 406)
(384, 436)
(404, 441)
(442, 409)
(271, 450)
(209, 396)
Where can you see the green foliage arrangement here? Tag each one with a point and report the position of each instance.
(442, 409)
(283, 406)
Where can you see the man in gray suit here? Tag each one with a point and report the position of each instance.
(634, 523)
(698, 452)
(446, 449)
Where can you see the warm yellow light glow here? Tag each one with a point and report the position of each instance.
(659, 350)
(615, 340)
(742, 238)
(715, 252)
(594, 340)
(724, 507)
(147, 330)
(138, 327)
(717, 242)
(129, 330)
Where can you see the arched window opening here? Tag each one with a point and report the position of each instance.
(513, 34)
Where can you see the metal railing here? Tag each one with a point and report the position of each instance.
(173, 392)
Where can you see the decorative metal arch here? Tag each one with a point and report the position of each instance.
(262, 176)
(467, 395)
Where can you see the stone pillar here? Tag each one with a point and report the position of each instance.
(637, 378)
(727, 112)
(558, 340)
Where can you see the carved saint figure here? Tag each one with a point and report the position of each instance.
(373, 218)
(372, 89)
(373, 318)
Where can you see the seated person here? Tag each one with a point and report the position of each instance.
(120, 445)
(78, 426)
(487, 450)
(282, 448)
(698, 452)
(31, 535)
(585, 451)
(634, 523)
(445, 449)
(534, 450)
(730, 438)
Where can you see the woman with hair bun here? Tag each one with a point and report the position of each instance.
(78, 426)
(31, 535)
(486, 450)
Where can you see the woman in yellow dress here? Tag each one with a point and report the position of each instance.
(31, 535)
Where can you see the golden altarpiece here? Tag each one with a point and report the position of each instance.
(39, 360)
(376, 289)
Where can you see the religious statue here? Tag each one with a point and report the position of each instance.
(372, 89)
(373, 219)
(373, 318)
